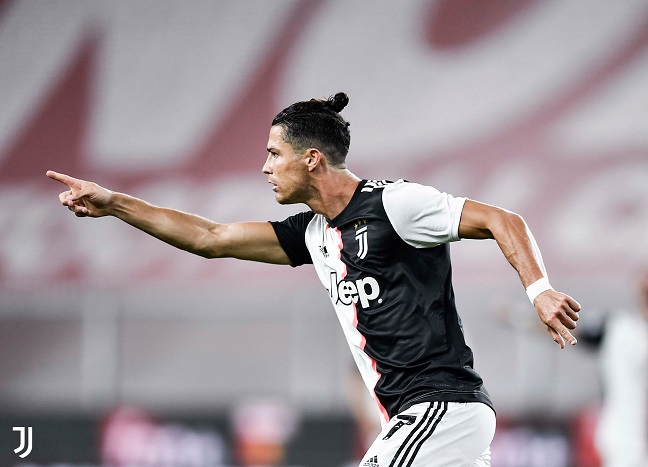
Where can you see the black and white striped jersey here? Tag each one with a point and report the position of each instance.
(385, 262)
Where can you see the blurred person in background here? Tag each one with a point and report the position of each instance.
(381, 249)
(365, 417)
(622, 430)
(262, 430)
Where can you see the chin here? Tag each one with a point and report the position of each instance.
(284, 199)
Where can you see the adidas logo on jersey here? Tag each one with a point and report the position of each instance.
(373, 462)
(324, 251)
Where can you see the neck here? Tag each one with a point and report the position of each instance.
(333, 192)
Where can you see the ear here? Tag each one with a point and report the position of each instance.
(314, 158)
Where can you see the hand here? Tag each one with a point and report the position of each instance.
(84, 199)
(559, 313)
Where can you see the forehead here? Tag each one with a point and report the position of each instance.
(276, 138)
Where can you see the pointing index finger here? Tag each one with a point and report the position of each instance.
(65, 179)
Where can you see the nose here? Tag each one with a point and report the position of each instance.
(266, 167)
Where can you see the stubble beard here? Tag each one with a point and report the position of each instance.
(294, 197)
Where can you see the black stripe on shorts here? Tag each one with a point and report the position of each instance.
(412, 444)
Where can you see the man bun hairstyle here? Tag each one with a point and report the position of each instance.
(338, 102)
(317, 123)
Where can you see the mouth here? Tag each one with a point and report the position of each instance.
(274, 186)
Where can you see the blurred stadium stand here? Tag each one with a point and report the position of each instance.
(537, 106)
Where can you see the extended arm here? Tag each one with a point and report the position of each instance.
(559, 312)
(254, 241)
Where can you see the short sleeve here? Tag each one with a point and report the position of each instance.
(291, 234)
(421, 215)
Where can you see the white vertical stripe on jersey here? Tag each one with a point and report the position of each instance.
(330, 265)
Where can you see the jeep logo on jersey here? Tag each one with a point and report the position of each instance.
(348, 292)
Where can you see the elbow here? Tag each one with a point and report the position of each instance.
(519, 223)
(214, 243)
(505, 222)
(207, 254)
(515, 219)
(482, 221)
(210, 251)
(207, 245)
(203, 250)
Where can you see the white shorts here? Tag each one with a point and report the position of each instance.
(435, 434)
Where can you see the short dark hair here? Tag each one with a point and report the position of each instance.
(317, 123)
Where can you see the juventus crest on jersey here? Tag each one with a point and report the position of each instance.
(386, 265)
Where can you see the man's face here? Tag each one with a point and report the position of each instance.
(286, 170)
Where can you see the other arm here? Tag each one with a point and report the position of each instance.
(559, 312)
(255, 241)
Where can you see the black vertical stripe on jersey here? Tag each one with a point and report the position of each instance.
(416, 433)
(427, 436)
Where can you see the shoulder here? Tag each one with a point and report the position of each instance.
(401, 188)
(297, 221)
(414, 197)
(291, 234)
(293, 228)
(397, 188)
(421, 214)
